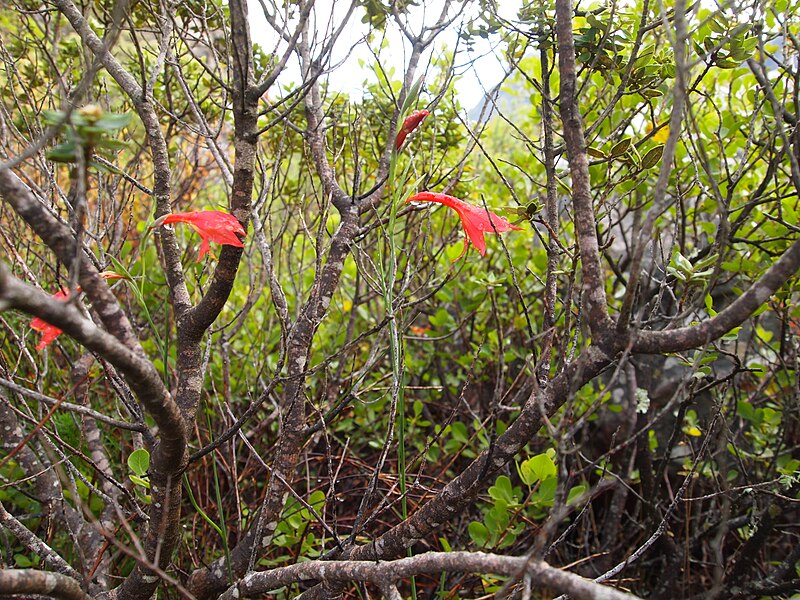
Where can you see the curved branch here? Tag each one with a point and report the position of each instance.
(385, 574)
(168, 457)
(138, 371)
(61, 241)
(684, 338)
(31, 581)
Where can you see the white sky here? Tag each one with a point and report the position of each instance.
(484, 71)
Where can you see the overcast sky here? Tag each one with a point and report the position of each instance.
(480, 69)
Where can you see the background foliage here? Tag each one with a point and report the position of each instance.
(680, 465)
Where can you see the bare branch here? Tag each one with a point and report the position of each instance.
(30, 581)
(385, 574)
(35, 545)
(584, 217)
(76, 408)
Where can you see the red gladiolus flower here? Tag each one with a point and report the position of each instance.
(212, 225)
(476, 220)
(410, 124)
(51, 332)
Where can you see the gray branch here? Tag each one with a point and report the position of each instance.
(30, 581)
(387, 574)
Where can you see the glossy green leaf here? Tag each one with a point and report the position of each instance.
(139, 461)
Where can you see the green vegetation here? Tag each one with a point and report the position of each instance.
(595, 392)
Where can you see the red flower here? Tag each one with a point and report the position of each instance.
(51, 332)
(214, 225)
(476, 220)
(410, 124)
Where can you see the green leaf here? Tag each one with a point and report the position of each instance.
(139, 461)
(503, 490)
(788, 465)
(745, 410)
(540, 467)
(103, 168)
(653, 157)
(683, 263)
(412, 97)
(112, 144)
(676, 273)
(750, 43)
(63, 153)
(620, 147)
(112, 121)
(707, 261)
(715, 26)
(732, 335)
(594, 152)
(478, 533)
(140, 481)
(526, 473)
(726, 63)
(24, 562)
(547, 492)
(709, 302)
(576, 493)
(645, 58)
(317, 500)
(458, 431)
(52, 117)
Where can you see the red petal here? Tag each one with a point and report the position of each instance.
(401, 137)
(450, 201)
(204, 248)
(474, 228)
(411, 122)
(212, 225)
(50, 332)
(476, 220)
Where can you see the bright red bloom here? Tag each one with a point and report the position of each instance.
(212, 225)
(410, 124)
(51, 332)
(476, 220)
